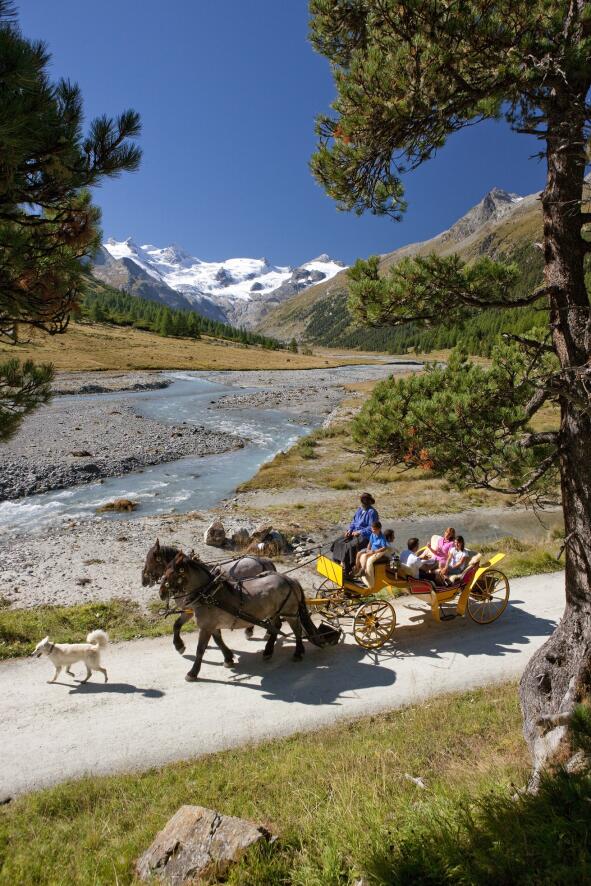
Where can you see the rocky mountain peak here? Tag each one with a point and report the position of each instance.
(494, 206)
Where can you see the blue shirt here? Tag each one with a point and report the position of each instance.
(377, 541)
(362, 521)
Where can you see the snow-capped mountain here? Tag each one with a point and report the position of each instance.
(238, 290)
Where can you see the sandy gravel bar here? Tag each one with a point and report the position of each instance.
(61, 446)
(303, 402)
(108, 382)
(101, 558)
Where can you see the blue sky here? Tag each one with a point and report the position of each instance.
(228, 91)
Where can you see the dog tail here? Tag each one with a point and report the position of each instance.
(100, 638)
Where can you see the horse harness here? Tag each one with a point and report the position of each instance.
(207, 596)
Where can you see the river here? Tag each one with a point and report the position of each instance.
(191, 483)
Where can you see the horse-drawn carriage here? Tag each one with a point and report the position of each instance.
(482, 591)
(249, 591)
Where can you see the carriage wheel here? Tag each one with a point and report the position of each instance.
(334, 606)
(489, 597)
(374, 623)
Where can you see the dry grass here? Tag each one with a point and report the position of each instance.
(319, 479)
(86, 347)
(333, 797)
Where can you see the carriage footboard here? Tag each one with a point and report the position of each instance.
(325, 635)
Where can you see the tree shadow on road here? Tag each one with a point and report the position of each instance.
(514, 629)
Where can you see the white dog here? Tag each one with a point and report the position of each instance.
(65, 654)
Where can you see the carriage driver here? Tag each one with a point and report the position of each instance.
(355, 539)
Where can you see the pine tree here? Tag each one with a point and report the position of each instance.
(293, 346)
(409, 73)
(47, 220)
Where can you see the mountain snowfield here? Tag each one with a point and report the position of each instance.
(241, 289)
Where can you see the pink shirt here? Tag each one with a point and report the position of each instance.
(443, 549)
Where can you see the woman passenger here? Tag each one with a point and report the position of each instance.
(457, 559)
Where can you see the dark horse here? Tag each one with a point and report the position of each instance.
(160, 556)
(269, 598)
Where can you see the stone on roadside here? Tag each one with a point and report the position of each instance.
(268, 542)
(240, 538)
(197, 844)
(215, 535)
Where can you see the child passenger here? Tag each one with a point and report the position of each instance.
(377, 544)
(372, 558)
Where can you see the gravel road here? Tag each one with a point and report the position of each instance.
(148, 715)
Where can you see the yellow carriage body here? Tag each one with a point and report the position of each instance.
(474, 594)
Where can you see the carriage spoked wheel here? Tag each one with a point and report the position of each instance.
(489, 597)
(374, 623)
(333, 606)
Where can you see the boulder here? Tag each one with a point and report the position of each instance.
(267, 542)
(197, 844)
(120, 504)
(262, 532)
(241, 538)
(215, 535)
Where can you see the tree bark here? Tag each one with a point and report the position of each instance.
(558, 675)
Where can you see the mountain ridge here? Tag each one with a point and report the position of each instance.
(236, 290)
(498, 225)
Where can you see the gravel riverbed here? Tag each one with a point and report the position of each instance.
(108, 382)
(61, 446)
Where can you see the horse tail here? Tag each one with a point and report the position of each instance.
(303, 612)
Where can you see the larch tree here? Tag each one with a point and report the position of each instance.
(48, 223)
(408, 74)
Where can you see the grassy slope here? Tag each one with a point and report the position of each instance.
(347, 797)
(97, 346)
(495, 239)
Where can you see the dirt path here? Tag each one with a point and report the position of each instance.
(148, 715)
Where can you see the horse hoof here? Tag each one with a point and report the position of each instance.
(190, 678)
(267, 656)
(297, 657)
(230, 664)
(181, 649)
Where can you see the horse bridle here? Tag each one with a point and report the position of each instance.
(200, 593)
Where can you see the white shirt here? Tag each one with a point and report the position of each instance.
(456, 558)
(411, 561)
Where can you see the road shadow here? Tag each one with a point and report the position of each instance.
(322, 678)
(325, 675)
(513, 630)
(120, 688)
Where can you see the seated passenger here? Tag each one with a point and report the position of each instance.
(413, 564)
(437, 554)
(457, 560)
(374, 557)
(377, 544)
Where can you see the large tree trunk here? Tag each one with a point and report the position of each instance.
(558, 676)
